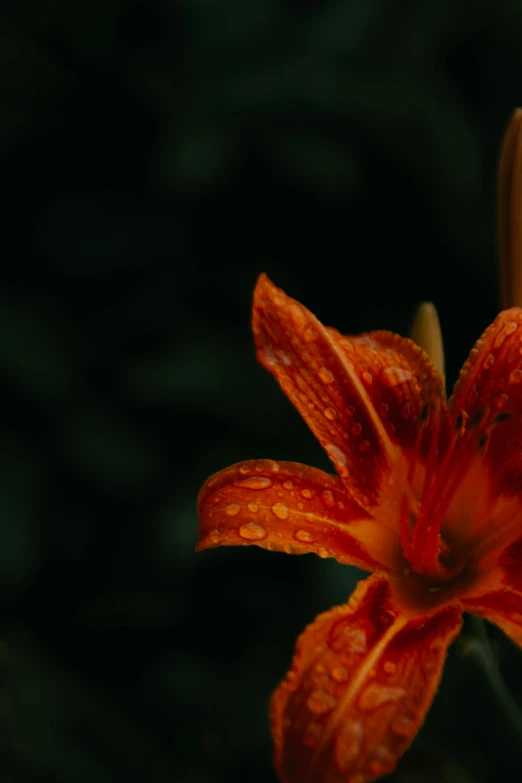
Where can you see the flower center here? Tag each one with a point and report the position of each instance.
(430, 489)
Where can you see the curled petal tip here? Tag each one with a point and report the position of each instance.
(426, 332)
(509, 212)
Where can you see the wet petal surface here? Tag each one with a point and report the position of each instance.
(293, 508)
(363, 676)
(364, 398)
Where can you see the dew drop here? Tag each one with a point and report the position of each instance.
(287, 548)
(348, 743)
(320, 668)
(330, 413)
(501, 400)
(490, 361)
(389, 667)
(306, 493)
(280, 510)
(356, 429)
(244, 469)
(233, 509)
(393, 376)
(383, 409)
(312, 735)
(354, 640)
(254, 482)
(288, 484)
(320, 702)
(375, 695)
(300, 506)
(515, 376)
(322, 552)
(252, 532)
(335, 454)
(367, 377)
(253, 507)
(364, 445)
(339, 674)
(327, 498)
(304, 536)
(310, 335)
(275, 467)
(326, 375)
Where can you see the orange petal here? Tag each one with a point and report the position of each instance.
(502, 607)
(362, 680)
(364, 398)
(488, 395)
(289, 507)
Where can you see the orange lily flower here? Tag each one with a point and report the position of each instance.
(427, 497)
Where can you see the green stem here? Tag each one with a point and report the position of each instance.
(480, 648)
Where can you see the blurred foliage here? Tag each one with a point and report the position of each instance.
(156, 156)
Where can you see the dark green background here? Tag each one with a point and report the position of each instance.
(156, 157)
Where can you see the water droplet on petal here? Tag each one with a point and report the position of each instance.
(275, 467)
(489, 361)
(330, 413)
(304, 536)
(233, 509)
(326, 375)
(254, 482)
(288, 484)
(501, 400)
(312, 735)
(327, 498)
(322, 552)
(348, 742)
(375, 695)
(320, 702)
(253, 506)
(354, 640)
(335, 454)
(280, 510)
(306, 493)
(367, 377)
(252, 532)
(288, 549)
(310, 335)
(356, 429)
(364, 445)
(389, 667)
(340, 674)
(393, 376)
(244, 469)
